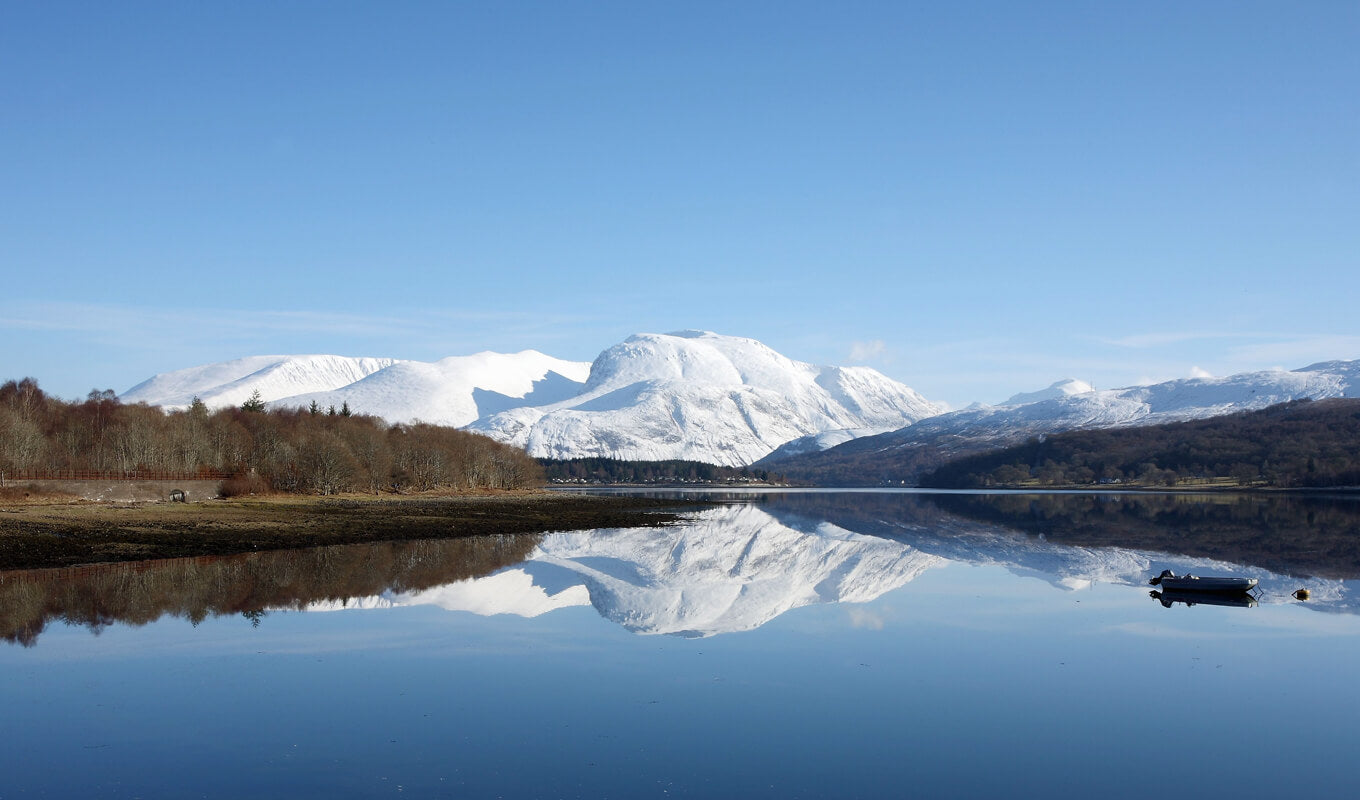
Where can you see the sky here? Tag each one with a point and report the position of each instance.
(976, 198)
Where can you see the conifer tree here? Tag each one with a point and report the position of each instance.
(254, 403)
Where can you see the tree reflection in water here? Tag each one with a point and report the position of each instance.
(196, 588)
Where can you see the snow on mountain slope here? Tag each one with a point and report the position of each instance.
(817, 442)
(701, 396)
(1173, 401)
(452, 391)
(456, 390)
(691, 395)
(1063, 388)
(974, 428)
(231, 383)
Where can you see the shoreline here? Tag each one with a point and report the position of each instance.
(68, 534)
(1128, 487)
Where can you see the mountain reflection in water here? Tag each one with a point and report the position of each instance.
(740, 565)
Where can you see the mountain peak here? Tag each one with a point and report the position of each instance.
(704, 396)
(1063, 388)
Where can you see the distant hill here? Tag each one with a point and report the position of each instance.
(1300, 444)
(902, 456)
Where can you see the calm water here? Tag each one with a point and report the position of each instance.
(797, 644)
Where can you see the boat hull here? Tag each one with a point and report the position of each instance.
(1209, 585)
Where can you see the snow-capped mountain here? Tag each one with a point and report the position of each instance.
(1059, 390)
(230, 383)
(719, 399)
(701, 396)
(457, 390)
(1065, 406)
(1173, 401)
(453, 391)
(691, 395)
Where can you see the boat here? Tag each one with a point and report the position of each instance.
(1170, 581)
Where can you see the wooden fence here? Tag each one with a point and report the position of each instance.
(20, 475)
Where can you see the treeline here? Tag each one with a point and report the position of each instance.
(1293, 534)
(613, 470)
(1300, 444)
(284, 450)
(863, 462)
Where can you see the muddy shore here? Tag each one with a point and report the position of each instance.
(56, 534)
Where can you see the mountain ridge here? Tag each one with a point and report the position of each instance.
(726, 400)
(692, 395)
(900, 456)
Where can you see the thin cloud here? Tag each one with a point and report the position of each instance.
(865, 619)
(873, 350)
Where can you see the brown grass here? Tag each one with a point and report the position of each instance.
(33, 495)
(36, 535)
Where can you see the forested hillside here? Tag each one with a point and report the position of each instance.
(315, 451)
(613, 470)
(1300, 444)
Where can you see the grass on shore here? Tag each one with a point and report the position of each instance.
(59, 531)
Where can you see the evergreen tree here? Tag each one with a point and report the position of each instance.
(255, 403)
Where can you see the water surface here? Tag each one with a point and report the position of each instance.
(783, 644)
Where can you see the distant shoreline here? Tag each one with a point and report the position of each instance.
(1128, 487)
(1086, 488)
(64, 534)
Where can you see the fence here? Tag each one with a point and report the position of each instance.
(19, 475)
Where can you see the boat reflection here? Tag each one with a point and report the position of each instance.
(1169, 597)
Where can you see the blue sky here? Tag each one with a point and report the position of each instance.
(975, 198)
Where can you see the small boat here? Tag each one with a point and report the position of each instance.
(1170, 581)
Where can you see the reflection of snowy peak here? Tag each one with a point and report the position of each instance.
(733, 569)
(736, 567)
(952, 539)
(701, 396)
(510, 591)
